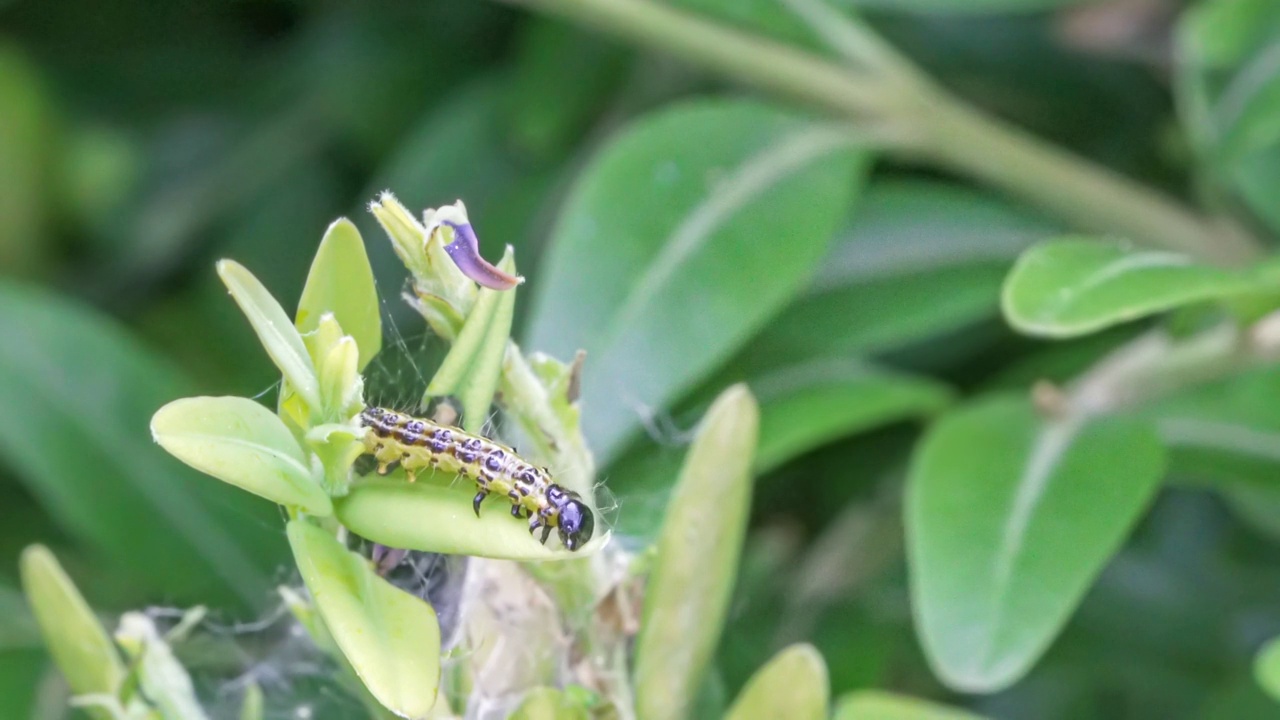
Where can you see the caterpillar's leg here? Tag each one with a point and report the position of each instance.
(479, 498)
(412, 475)
(535, 522)
(515, 511)
(385, 468)
(546, 533)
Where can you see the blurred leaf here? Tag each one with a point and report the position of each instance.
(806, 406)
(792, 685)
(251, 705)
(879, 705)
(1230, 96)
(431, 517)
(242, 443)
(802, 407)
(1009, 520)
(79, 644)
(341, 282)
(909, 242)
(544, 703)
(679, 241)
(1266, 668)
(697, 560)
(26, 144)
(1075, 286)
(163, 680)
(390, 637)
(279, 338)
(546, 113)
(470, 371)
(76, 395)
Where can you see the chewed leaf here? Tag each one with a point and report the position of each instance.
(341, 282)
(391, 638)
(79, 644)
(432, 518)
(465, 251)
(242, 443)
(279, 337)
(1073, 286)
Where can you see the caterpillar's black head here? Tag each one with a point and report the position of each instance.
(576, 522)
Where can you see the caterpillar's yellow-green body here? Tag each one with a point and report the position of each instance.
(417, 444)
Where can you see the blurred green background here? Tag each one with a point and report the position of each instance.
(141, 141)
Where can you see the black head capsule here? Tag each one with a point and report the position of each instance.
(575, 523)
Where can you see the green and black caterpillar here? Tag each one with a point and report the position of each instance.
(417, 444)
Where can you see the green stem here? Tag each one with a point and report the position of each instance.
(926, 123)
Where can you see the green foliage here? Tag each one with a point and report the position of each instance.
(1070, 511)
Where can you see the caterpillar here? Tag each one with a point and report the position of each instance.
(417, 444)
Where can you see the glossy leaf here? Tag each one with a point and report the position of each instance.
(471, 369)
(76, 395)
(792, 685)
(1229, 97)
(1266, 668)
(390, 637)
(878, 705)
(439, 518)
(1009, 520)
(78, 642)
(739, 202)
(240, 442)
(697, 560)
(279, 337)
(341, 282)
(1076, 286)
(906, 243)
(802, 407)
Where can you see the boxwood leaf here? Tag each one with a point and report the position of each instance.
(879, 705)
(697, 559)
(240, 442)
(390, 637)
(793, 684)
(1075, 286)
(439, 518)
(278, 336)
(341, 282)
(738, 205)
(1009, 519)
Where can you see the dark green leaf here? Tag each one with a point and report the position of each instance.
(739, 201)
(1009, 520)
(76, 395)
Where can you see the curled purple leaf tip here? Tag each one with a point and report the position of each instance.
(465, 251)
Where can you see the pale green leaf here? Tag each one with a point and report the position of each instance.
(471, 369)
(240, 442)
(390, 637)
(878, 705)
(793, 684)
(278, 336)
(439, 518)
(79, 644)
(544, 703)
(341, 282)
(1009, 519)
(697, 560)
